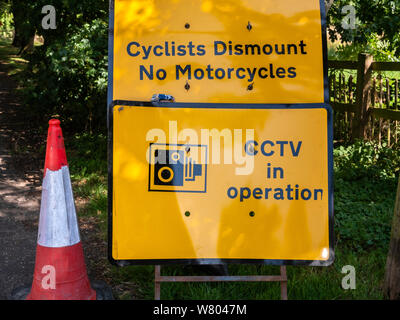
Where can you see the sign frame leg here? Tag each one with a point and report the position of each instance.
(158, 279)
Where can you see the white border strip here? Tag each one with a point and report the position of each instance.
(58, 225)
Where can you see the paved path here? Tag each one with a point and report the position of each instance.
(19, 196)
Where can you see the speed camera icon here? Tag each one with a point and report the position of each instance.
(177, 168)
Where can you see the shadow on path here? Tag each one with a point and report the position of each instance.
(20, 191)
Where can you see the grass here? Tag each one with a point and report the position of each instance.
(304, 283)
(87, 160)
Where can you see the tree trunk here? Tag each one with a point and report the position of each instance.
(24, 29)
(364, 72)
(392, 275)
(17, 40)
(27, 46)
(18, 22)
(328, 5)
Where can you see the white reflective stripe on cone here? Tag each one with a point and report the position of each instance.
(58, 226)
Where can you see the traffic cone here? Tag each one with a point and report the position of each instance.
(60, 270)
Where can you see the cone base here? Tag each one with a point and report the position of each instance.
(60, 274)
(103, 291)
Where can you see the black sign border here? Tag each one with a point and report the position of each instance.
(111, 103)
(220, 261)
(110, 97)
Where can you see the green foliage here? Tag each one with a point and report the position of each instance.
(366, 160)
(87, 154)
(376, 32)
(379, 49)
(67, 75)
(365, 187)
(87, 160)
(69, 15)
(6, 19)
(68, 78)
(373, 16)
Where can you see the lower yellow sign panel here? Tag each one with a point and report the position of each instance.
(212, 184)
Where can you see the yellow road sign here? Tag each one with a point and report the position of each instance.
(219, 51)
(214, 183)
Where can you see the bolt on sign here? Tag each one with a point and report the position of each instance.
(220, 135)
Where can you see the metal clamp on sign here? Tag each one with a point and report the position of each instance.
(162, 98)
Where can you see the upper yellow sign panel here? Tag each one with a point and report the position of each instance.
(219, 51)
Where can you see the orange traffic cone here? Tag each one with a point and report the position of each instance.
(60, 270)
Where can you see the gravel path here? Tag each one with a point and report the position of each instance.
(19, 196)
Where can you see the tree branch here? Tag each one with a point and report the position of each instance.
(328, 5)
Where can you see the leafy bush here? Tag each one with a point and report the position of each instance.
(69, 78)
(366, 160)
(378, 48)
(365, 187)
(377, 24)
(87, 154)
(6, 20)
